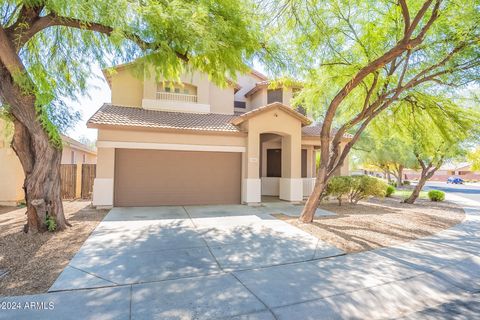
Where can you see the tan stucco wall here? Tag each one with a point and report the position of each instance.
(246, 82)
(170, 137)
(11, 172)
(106, 163)
(278, 122)
(287, 96)
(127, 87)
(78, 156)
(219, 99)
(258, 99)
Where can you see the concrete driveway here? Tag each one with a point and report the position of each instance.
(141, 245)
(237, 262)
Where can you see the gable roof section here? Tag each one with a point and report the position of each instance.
(111, 115)
(74, 144)
(276, 105)
(258, 74)
(266, 83)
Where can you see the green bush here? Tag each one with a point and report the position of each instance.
(50, 223)
(390, 190)
(406, 183)
(366, 186)
(436, 195)
(355, 188)
(339, 187)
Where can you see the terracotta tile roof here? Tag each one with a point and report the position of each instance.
(314, 131)
(76, 144)
(111, 115)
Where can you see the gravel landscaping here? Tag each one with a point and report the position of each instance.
(32, 262)
(379, 222)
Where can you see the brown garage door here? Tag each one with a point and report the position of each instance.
(162, 177)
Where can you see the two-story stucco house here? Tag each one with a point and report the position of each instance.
(197, 143)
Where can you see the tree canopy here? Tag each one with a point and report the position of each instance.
(358, 58)
(435, 129)
(382, 148)
(59, 41)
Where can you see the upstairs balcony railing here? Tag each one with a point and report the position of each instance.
(170, 96)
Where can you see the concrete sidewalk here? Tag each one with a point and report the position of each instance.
(238, 262)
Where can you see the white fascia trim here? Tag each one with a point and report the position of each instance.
(167, 146)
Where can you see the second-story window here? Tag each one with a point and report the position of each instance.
(177, 92)
(274, 95)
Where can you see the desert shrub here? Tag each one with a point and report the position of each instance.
(339, 187)
(50, 223)
(364, 186)
(355, 188)
(390, 190)
(436, 195)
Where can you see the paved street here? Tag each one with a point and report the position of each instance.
(237, 262)
(465, 190)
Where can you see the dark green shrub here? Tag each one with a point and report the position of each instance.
(339, 187)
(366, 186)
(406, 183)
(355, 188)
(390, 190)
(436, 195)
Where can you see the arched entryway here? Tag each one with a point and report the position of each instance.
(281, 127)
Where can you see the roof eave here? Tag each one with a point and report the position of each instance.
(162, 129)
(240, 119)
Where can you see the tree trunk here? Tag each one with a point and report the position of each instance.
(400, 176)
(39, 158)
(314, 199)
(424, 177)
(416, 192)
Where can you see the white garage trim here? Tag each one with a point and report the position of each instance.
(167, 146)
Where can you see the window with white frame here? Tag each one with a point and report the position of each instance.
(182, 92)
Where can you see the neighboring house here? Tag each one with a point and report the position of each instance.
(197, 143)
(462, 170)
(75, 152)
(11, 172)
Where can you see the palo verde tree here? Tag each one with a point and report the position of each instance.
(358, 58)
(382, 148)
(435, 129)
(47, 48)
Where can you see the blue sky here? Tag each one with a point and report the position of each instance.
(99, 93)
